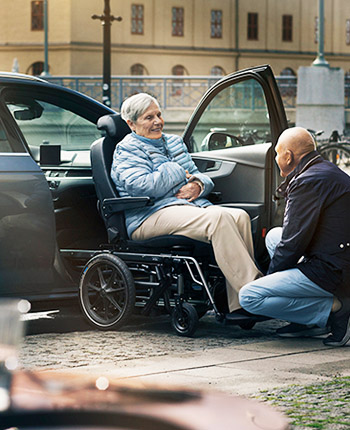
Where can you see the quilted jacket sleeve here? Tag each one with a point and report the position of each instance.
(183, 157)
(134, 174)
(208, 184)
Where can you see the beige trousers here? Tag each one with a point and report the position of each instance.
(227, 229)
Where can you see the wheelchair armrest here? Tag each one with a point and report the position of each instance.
(120, 204)
(215, 196)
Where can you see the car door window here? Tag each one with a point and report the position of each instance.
(50, 122)
(236, 116)
(4, 142)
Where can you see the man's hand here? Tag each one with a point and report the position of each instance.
(189, 192)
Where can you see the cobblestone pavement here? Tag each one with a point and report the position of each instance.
(73, 346)
(143, 337)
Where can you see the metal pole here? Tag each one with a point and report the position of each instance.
(106, 23)
(320, 60)
(106, 20)
(46, 47)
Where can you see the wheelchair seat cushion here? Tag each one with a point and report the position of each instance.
(171, 243)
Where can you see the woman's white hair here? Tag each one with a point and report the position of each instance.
(136, 105)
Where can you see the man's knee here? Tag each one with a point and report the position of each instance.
(273, 237)
(249, 298)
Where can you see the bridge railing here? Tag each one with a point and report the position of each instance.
(171, 91)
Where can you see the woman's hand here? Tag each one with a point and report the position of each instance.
(189, 192)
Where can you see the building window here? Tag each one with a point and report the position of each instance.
(216, 24)
(347, 29)
(177, 21)
(36, 68)
(252, 26)
(287, 28)
(37, 15)
(177, 87)
(138, 70)
(137, 19)
(316, 30)
(217, 71)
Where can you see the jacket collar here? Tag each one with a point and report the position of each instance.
(154, 142)
(308, 160)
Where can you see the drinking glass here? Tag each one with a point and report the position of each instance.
(11, 335)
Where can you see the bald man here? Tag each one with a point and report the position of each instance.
(308, 280)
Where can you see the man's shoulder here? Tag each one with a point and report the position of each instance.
(324, 175)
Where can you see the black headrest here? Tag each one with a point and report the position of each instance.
(114, 126)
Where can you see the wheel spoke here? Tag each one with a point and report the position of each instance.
(114, 302)
(101, 277)
(93, 287)
(96, 302)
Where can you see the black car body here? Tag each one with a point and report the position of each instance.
(47, 195)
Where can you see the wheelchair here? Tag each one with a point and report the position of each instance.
(169, 274)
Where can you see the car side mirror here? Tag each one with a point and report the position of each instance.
(222, 141)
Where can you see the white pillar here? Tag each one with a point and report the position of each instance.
(320, 99)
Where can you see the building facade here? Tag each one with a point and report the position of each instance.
(172, 37)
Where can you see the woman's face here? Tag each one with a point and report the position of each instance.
(150, 124)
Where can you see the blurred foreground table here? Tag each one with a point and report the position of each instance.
(59, 401)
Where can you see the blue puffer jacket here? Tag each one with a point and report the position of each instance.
(154, 168)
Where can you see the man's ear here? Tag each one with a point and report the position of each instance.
(290, 157)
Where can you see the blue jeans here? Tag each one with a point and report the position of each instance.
(288, 295)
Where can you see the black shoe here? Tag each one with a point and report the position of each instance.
(239, 314)
(301, 330)
(340, 325)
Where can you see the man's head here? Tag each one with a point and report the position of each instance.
(293, 144)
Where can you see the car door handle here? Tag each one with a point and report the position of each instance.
(212, 166)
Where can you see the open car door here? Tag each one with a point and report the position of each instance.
(231, 136)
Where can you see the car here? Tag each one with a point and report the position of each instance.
(48, 204)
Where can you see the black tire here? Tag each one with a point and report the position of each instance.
(247, 325)
(106, 292)
(184, 319)
(201, 310)
(337, 154)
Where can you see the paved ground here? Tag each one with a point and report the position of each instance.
(224, 358)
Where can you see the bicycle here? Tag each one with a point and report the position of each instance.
(337, 150)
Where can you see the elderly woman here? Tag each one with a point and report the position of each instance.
(150, 163)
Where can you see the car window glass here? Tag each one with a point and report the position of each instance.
(236, 116)
(42, 122)
(4, 143)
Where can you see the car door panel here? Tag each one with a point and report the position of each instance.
(27, 227)
(231, 137)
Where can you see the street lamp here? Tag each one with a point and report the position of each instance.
(106, 20)
(320, 60)
(45, 72)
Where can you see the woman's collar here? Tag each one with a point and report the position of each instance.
(155, 142)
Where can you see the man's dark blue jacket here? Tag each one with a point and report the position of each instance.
(316, 224)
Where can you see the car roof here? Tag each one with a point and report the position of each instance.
(20, 76)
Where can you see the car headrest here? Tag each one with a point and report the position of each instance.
(114, 126)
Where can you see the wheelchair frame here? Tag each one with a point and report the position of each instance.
(171, 283)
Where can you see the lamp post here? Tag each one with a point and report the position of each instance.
(320, 60)
(106, 20)
(45, 72)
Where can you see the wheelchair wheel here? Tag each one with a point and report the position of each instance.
(106, 292)
(184, 319)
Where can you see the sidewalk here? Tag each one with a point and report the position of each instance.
(301, 377)
(223, 358)
(240, 369)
